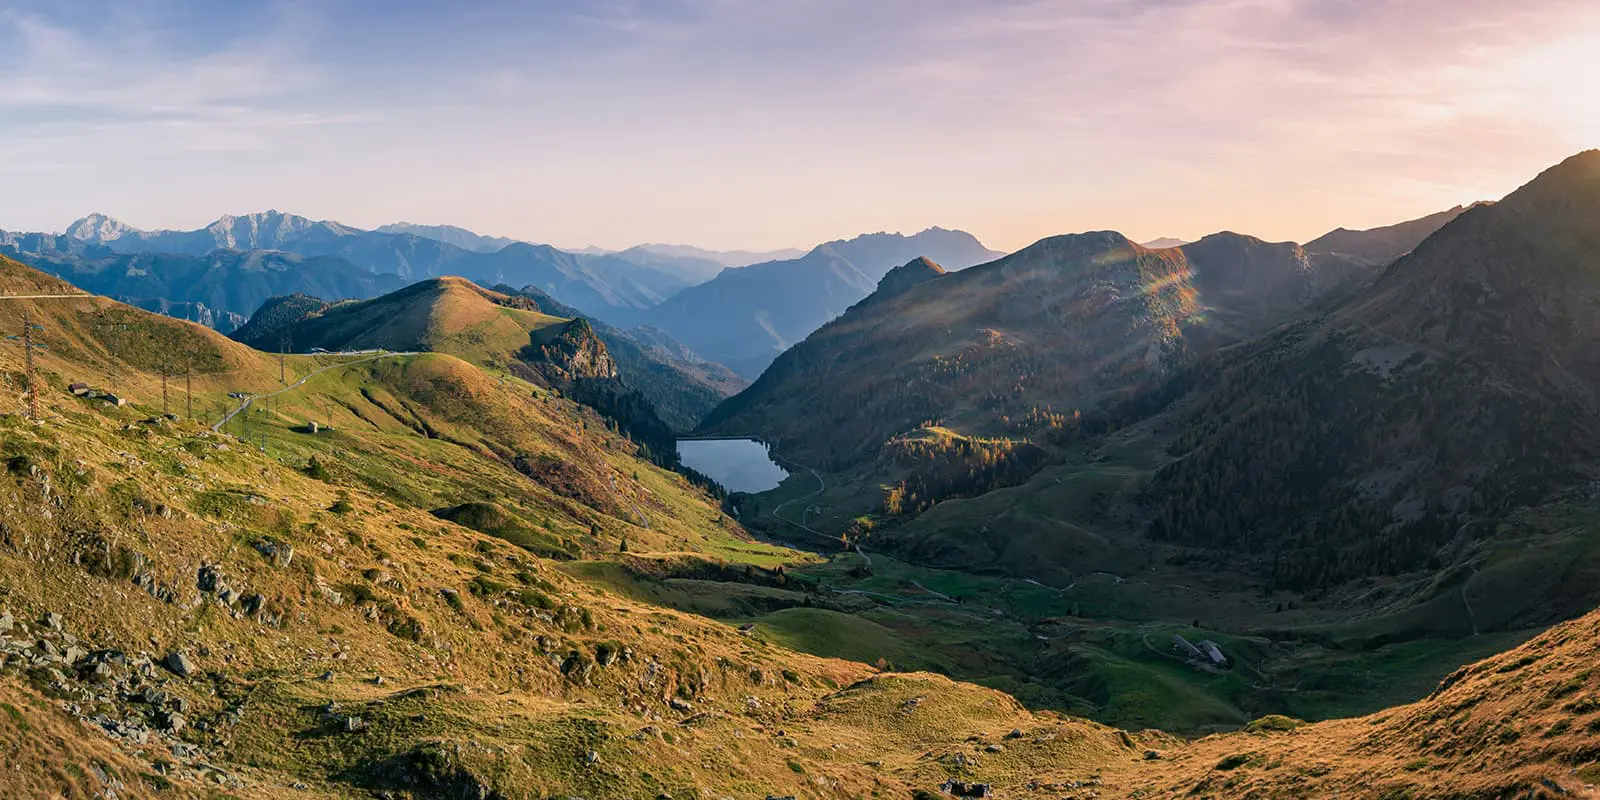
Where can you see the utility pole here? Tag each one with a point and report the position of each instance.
(163, 388)
(188, 390)
(284, 343)
(33, 380)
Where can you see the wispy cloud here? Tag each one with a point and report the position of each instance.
(779, 122)
(144, 86)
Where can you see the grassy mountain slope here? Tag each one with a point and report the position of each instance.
(341, 639)
(1349, 499)
(1017, 347)
(333, 630)
(495, 331)
(443, 314)
(1453, 390)
(1520, 724)
(681, 386)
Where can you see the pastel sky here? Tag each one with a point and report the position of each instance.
(772, 123)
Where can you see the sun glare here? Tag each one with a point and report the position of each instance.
(1560, 81)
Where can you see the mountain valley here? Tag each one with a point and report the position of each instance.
(1015, 486)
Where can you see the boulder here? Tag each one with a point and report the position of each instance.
(208, 578)
(177, 662)
(964, 789)
(280, 554)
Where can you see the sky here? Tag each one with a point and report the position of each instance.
(782, 123)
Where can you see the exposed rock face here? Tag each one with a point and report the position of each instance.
(224, 322)
(575, 353)
(98, 229)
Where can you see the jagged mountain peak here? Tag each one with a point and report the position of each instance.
(266, 229)
(98, 228)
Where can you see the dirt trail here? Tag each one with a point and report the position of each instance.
(244, 404)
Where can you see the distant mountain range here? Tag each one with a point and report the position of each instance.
(746, 316)
(742, 315)
(450, 234)
(217, 289)
(1163, 242)
(726, 258)
(596, 284)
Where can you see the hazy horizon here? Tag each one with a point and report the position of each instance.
(730, 125)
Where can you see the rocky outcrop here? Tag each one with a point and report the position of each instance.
(574, 353)
(916, 272)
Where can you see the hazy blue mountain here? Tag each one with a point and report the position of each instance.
(746, 316)
(1163, 243)
(604, 286)
(874, 254)
(726, 258)
(691, 268)
(450, 234)
(218, 289)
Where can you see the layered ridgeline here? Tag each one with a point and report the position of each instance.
(451, 235)
(680, 385)
(1410, 424)
(598, 284)
(1429, 428)
(929, 399)
(1018, 347)
(1045, 331)
(1379, 246)
(493, 330)
(218, 289)
(430, 596)
(746, 316)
